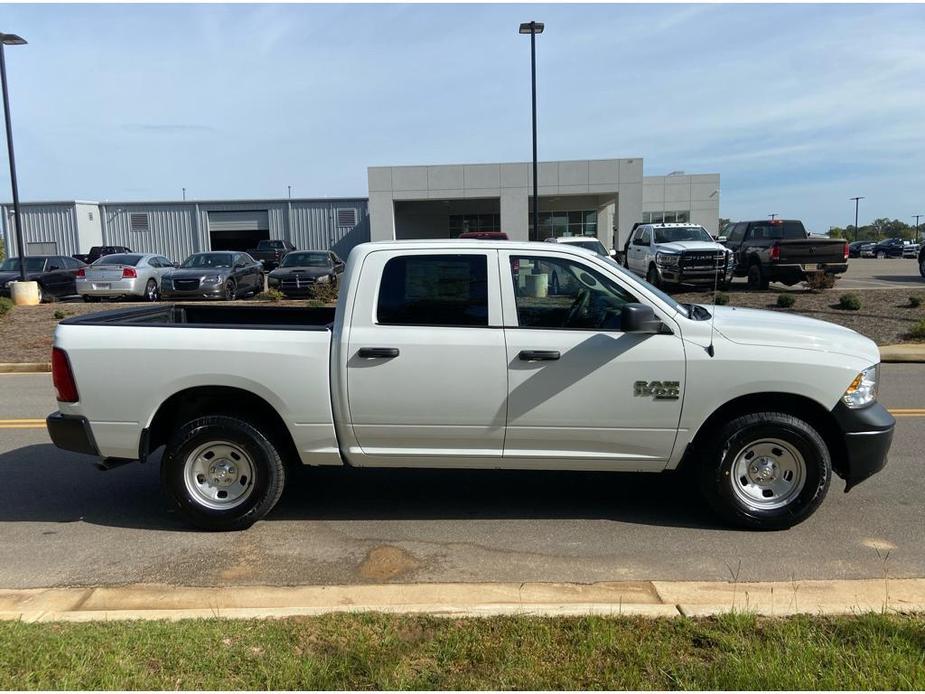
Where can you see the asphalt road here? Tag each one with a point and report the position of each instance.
(62, 522)
(871, 273)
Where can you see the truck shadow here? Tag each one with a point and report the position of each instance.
(45, 484)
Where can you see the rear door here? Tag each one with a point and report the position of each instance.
(426, 372)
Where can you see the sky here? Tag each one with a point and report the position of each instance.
(798, 107)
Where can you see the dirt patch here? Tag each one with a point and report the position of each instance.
(885, 315)
(385, 562)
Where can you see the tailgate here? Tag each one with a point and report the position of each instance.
(812, 252)
(103, 273)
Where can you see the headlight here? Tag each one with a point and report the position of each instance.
(730, 259)
(863, 389)
(212, 279)
(323, 278)
(666, 259)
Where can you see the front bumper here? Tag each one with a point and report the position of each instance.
(71, 433)
(679, 275)
(868, 434)
(202, 292)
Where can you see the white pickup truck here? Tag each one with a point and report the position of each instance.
(461, 354)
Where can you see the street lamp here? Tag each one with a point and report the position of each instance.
(12, 40)
(773, 215)
(534, 28)
(856, 203)
(917, 226)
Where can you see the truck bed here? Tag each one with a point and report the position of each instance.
(256, 316)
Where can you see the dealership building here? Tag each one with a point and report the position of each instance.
(601, 198)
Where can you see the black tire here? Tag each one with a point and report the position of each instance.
(922, 265)
(881, 255)
(724, 446)
(43, 296)
(152, 292)
(265, 483)
(756, 277)
(653, 278)
(231, 290)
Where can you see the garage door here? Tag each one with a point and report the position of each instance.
(248, 220)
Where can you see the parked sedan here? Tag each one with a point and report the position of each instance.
(214, 275)
(854, 249)
(55, 274)
(302, 270)
(135, 275)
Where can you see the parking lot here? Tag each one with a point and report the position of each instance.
(62, 522)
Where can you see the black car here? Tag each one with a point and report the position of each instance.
(299, 271)
(270, 252)
(854, 249)
(889, 248)
(55, 274)
(214, 275)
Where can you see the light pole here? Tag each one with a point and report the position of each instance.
(856, 203)
(184, 193)
(290, 192)
(917, 226)
(12, 40)
(773, 215)
(533, 28)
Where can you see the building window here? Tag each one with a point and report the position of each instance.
(671, 216)
(347, 218)
(461, 223)
(139, 221)
(565, 223)
(448, 290)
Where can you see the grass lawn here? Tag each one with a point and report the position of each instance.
(418, 652)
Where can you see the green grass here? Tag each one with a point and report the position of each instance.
(5, 305)
(918, 331)
(401, 652)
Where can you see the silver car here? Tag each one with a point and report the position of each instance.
(136, 275)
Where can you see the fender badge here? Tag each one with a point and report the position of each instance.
(658, 390)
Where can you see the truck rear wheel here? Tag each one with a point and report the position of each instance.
(222, 473)
(756, 277)
(766, 470)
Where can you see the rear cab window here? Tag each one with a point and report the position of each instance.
(786, 229)
(438, 290)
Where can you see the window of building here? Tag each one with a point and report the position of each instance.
(558, 293)
(449, 290)
(564, 223)
(667, 216)
(139, 222)
(347, 218)
(462, 223)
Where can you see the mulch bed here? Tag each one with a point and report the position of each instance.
(26, 332)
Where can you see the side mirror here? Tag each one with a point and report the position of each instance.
(612, 253)
(721, 239)
(639, 318)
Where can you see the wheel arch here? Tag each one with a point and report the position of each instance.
(216, 400)
(800, 406)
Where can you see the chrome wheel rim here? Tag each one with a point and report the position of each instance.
(230, 291)
(151, 293)
(768, 474)
(219, 475)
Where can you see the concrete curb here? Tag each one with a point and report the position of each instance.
(905, 353)
(26, 367)
(629, 598)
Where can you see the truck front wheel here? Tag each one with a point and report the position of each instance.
(222, 473)
(766, 470)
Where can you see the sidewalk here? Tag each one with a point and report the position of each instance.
(639, 598)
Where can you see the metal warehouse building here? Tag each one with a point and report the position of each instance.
(598, 197)
(177, 229)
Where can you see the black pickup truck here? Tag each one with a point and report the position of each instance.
(97, 252)
(270, 252)
(780, 250)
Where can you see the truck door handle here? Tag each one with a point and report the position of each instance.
(377, 352)
(538, 355)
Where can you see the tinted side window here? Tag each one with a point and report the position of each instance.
(737, 233)
(434, 290)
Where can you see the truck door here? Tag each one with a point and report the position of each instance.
(581, 393)
(426, 371)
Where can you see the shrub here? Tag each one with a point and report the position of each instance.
(818, 280)
(849, 302)
(325, 292)
(5, 305)
(721, 299)
(785, 300)
(915, 301)
(270, 295)
(59, 315)
(918, 331)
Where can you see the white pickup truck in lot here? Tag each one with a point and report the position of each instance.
(462, 354)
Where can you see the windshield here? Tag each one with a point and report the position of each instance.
(305, 260)
(671, 234)
(208, 260)
(32, 265)
(655, 290)
(591, 245)
(118, 259)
